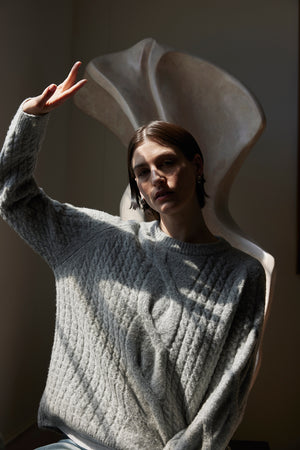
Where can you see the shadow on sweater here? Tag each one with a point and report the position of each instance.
(140, 331)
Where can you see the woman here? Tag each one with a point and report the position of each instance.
(157, 322)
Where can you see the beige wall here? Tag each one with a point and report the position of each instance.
(82, 162)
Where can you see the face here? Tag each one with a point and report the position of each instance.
(166, 178)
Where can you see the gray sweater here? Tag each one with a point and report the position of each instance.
(155, 339)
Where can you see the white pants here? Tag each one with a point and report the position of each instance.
(64, 444)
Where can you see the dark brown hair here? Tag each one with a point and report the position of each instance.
(168, 135)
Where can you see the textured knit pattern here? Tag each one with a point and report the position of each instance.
(155, 339)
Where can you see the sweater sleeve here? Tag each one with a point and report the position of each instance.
(225, 400)
(52, 229)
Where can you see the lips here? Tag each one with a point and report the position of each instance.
(162, 194)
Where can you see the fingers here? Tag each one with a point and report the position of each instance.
(71, 78)
(47, 94)
(68, 87)
(54, 95)
(73, 89)
(61, 96)
(43, 100)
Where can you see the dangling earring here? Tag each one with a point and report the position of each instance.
(143, 203)
(199, 179)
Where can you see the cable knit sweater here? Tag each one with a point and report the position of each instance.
(155, 339)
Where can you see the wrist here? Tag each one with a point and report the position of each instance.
(29, 107)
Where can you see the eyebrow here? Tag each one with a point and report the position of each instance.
(137, 166)
(161, 156)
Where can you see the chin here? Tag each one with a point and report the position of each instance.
(168, 211)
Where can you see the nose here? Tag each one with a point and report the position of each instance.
(156, 177)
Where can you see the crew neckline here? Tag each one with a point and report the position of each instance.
(187, 247)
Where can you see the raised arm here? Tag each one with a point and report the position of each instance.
(51, 228)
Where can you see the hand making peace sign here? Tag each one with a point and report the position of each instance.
(54, 95)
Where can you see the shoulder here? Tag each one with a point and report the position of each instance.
(245, 272)
(100, 222)
(252, 280)
(243, 261)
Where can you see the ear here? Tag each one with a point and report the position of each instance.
(198, 163)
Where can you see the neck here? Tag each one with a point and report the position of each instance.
(187, 229)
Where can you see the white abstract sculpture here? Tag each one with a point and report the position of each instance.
(151, 81)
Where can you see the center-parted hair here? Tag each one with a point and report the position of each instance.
(168, 135)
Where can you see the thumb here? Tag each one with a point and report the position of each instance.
(47, 94)
(38, 105)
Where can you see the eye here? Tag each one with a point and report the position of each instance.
(167, 163)
(142, 173)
